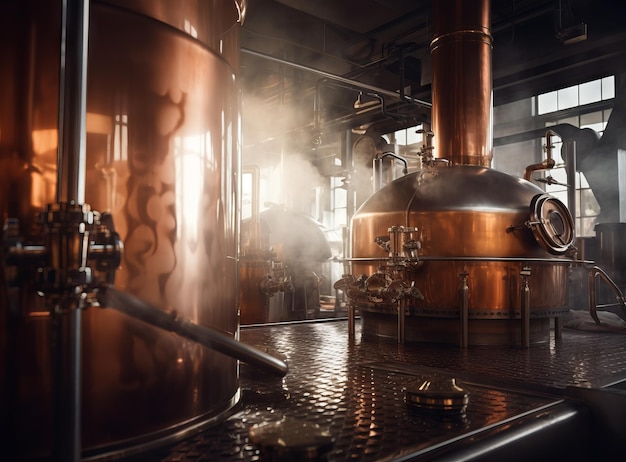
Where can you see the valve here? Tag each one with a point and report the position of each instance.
(276, 281)
(74, 236)
(426, 151)
(354, 288)
(67, 227)
(388, 284)
(402, 247)
(377, 288)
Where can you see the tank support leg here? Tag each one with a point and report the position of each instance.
(525, 304)
(401, 321)
(558, 327)
(351, 320)
(464, 309)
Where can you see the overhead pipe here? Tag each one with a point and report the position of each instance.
(339, 78)
(376, 92)
(317, 106)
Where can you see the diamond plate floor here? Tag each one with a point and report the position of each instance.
(352, 390)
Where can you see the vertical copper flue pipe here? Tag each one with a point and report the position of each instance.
(462, 91)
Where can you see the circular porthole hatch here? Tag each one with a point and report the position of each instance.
(551, 224)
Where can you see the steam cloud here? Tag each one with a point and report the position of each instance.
(275, 142)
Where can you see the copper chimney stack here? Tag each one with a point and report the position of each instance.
(462, 114)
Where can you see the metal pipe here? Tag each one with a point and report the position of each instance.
(317, 114)
(594, 272)
(67, 388)
(317, 105)
(338, 78)
(378, 168)
(356, 85)
(203, 335)
(351, 320)
(569, 149)
(348, 159)
(525, 306)
(552, 261)
(546, 164)
(71, 154)
(558, 327)
(401, 321)
(464, 309)
(71, 161)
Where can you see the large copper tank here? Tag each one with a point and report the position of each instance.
(162, 157)
(281, 242)
(470, 223)
(478, 254)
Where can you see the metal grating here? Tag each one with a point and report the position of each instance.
(354, 390)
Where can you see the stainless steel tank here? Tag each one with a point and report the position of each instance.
(458, 252)
(611, 255)
(162, 153)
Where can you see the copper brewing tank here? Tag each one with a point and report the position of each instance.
(162, 143)
(482, 233)
(281, 266)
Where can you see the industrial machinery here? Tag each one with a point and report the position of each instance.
(120, 270)
(281, 266)
(457, 252)
(119, 164)
(263, 279)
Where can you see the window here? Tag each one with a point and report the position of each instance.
(577, 95)
(586, 209)
(120, 146)
(247, 194)
(339, 202)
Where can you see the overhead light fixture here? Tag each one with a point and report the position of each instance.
(573, 34)
(365, 101)
(567, 31)
(361, 129)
